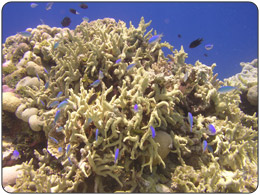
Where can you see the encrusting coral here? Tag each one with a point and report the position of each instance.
(112, 107)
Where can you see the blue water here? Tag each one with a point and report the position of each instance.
(231, 27)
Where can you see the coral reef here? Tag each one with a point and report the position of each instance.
(246, 82)
(108, 112)
(247, 77)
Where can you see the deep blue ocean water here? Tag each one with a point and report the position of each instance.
(231, 27)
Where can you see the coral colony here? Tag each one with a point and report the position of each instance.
(106, 111)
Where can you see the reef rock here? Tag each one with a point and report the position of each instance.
(20, 50)
(28, 81)
(165, 141)
(27, 113)
(35, 123)
(10, 175)
(20, 110)
(10, 102)
(252, 95)
(32, 68)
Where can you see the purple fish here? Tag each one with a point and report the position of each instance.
(60, 149)
(48, 6)
(96, 134)
(59, 94)
(42, 102)
(116, 154)
(37, 76)
(119, 60)
(210, 149)
(46, 85)
(53, 139)
(59, 129)
(212, 129)
(15, 155)
(63, 104)
(95, 83)
(70, 161)
(136, 107)
(204, 145)
(55, 103)
(154, 39)
(100, 75)
(190, 119)
(45, 71)
(68, 149)
(25, 34)
(57, 115)
(208, 46)
(130, 66)
(153, 131)
(56, 45)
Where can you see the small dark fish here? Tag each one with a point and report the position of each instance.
(42, 21)
(100, 75)
(206, 55)
(179, 35)
(196, 43)
(66, 22)
(186, 76)
(92, 98)
(116, 154)
(225, 89)
(208, 46)
(56, 45)
(210, 148)
(74, 11)
(46, 85)
(25, 34)
(34, 5)
(48, 6)
(59, 129)
(55, 103)
(85, 18)
(83, 6)
(153, 131)
(89, 120)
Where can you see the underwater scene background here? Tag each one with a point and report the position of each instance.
(232, 28)
(129, 97)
